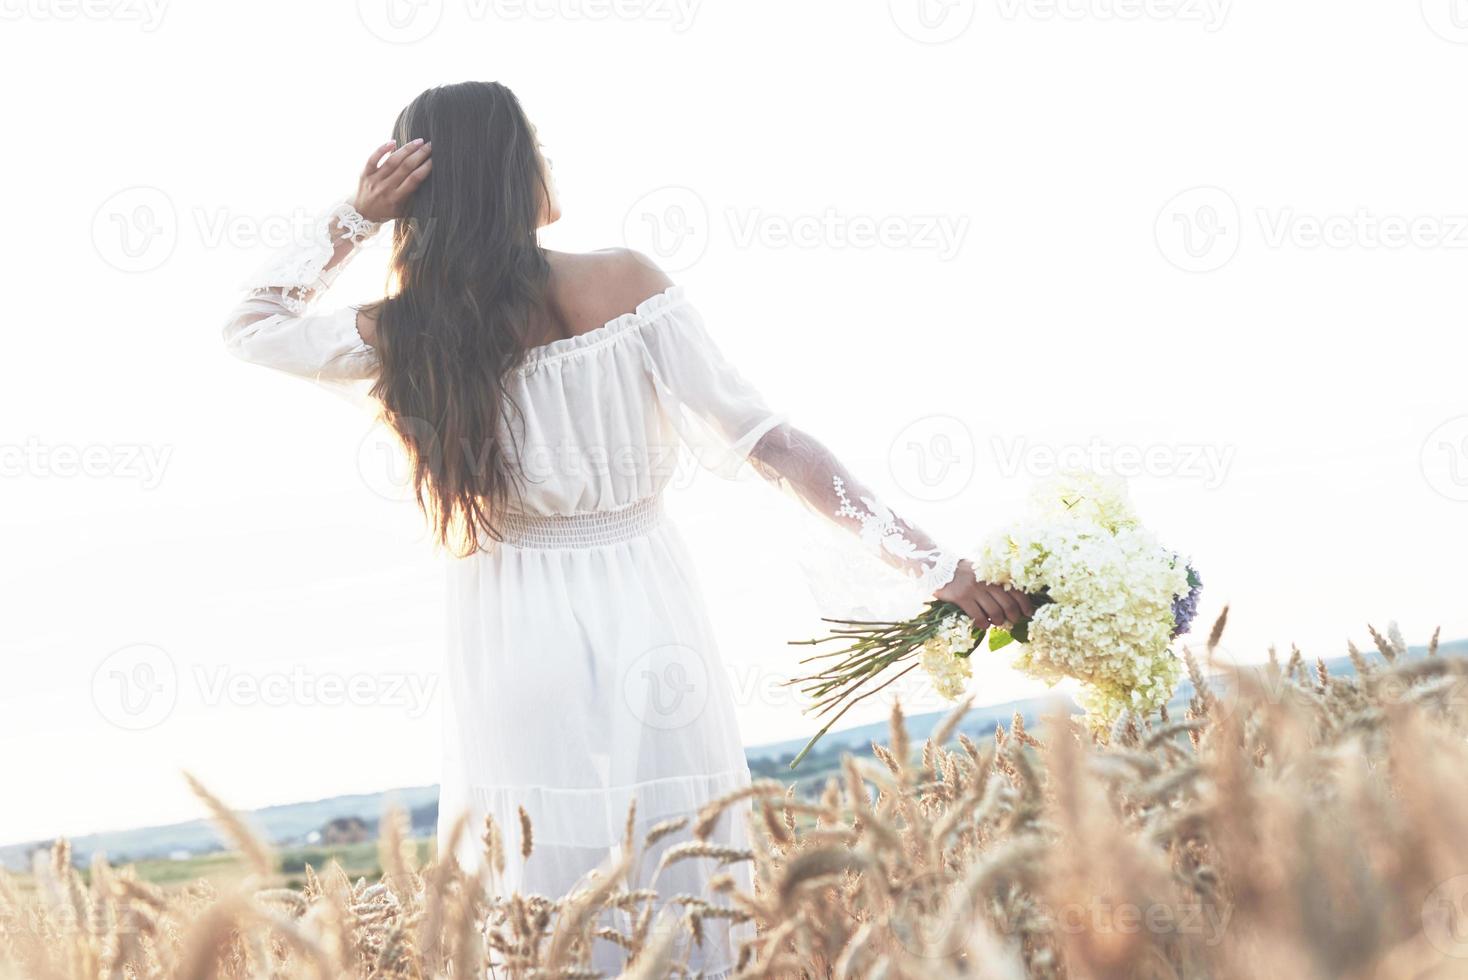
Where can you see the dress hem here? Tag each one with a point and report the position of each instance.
(596, 817)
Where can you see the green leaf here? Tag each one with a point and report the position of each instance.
(1000, 638)
(1021, 633)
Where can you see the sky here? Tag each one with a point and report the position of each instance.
(1215, 247)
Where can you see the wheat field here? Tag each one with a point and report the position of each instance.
(1292, 824)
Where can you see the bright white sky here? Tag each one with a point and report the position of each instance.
(1031, 285)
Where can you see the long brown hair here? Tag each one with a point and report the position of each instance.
(469, 275)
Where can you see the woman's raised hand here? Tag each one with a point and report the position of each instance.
(390, 178)
(985, 602)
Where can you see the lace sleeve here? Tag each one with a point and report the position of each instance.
(803, 467)
(271, 326)
(726, 422)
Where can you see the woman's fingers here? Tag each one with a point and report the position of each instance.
(390, 166)
(405, 167)
(376, 158)
(993, 612)
(987, 604)
(1012, 611)
(391, 177)
(971, 609)
(418, 176)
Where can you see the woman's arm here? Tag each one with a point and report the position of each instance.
(804, 467)
(270, 326)
(726, 422)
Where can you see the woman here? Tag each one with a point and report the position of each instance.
(542, 398)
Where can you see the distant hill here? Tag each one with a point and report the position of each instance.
(285, 825)
(294, 824)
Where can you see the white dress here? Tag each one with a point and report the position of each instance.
(582, 675)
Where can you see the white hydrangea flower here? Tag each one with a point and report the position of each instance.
(1086, 497)
(949, 672)
(1111, 584)
(957, 631)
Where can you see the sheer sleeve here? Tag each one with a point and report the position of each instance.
(726, 422)
(272, 325)
(800, 464)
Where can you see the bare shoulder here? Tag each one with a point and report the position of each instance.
(592, 288)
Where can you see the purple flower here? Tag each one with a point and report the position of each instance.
(1184, 608)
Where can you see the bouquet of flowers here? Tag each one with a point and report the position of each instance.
(1108, 597)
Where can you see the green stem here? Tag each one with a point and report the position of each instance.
(827, 727)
